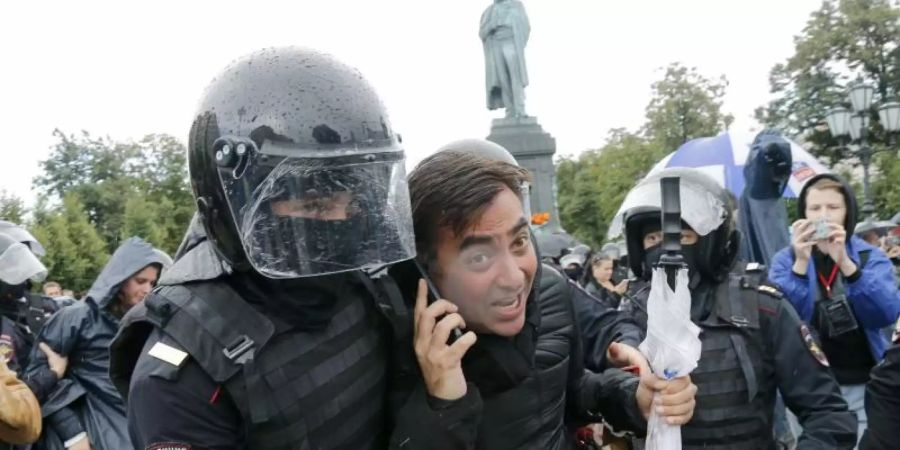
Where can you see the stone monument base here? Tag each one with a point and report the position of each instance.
(533, 148)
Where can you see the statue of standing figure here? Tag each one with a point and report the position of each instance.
(504, 31)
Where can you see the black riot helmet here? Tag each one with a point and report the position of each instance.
(296, 170)
(706, 207)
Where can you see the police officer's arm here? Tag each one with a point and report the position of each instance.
(883, 403)
(180, 406)
(600, 326)
(62, 332)
(807, 385)
(20, 415)
(611, 394)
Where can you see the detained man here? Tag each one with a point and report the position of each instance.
(515, 378)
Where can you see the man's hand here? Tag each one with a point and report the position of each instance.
(58, 363)
(674, 399)
(801, 234)
(441, 364)
(624, 355)
(835, 246)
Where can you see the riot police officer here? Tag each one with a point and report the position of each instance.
(23, 311)
(752, 341)
(264, 335)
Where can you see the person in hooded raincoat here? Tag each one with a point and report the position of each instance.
(839, 284)
(84, 410)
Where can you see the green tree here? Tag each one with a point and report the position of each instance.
(141, 219)
(12, 208)
(592, 187)
(685, 105)
(842, 40)
(75, 251)
(105, 175)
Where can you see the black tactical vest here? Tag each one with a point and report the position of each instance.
(734, 395)
(295, 390)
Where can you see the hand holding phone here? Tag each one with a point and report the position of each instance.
(440, 361)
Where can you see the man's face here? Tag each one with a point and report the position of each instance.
(339, 206)
(488, 270)
(138, 286)
(52, 291)
(826, 203)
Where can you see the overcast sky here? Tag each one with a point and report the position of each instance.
(116, 69)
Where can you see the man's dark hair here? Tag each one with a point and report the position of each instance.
(453, 189)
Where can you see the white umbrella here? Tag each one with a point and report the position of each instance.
(672, 346)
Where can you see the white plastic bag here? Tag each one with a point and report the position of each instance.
(672, 346)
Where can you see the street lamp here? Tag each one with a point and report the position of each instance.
(889, 114)
(842, 122)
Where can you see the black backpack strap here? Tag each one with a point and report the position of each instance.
(222, 333)
(389, 299)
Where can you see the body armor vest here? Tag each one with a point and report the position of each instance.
(734, 395)
(294, 389)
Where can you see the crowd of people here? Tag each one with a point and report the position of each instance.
(323, 299)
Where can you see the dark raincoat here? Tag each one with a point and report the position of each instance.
(762, 218)
(83, 332)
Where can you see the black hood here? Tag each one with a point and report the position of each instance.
(846, 190)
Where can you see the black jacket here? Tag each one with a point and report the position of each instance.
(781, 353)
(883, 403)
(85, 399)
(557, 394)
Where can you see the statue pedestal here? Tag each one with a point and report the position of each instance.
(533, 148)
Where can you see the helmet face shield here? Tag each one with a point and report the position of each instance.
(700, 208)
(18, 264)
(320, 213)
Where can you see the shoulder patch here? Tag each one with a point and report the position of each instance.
(813, 346)
(765, 289)
(168, 354)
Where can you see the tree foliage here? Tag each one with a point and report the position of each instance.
(127, 188)
(75, 251)
(12, 208)
(685, 105)
(842, 40)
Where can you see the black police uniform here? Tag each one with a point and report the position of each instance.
(217, 371)
(752, 343)
(883, 403)
(264, 333)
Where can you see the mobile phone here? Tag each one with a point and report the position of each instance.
(822, 230)
(407, 275)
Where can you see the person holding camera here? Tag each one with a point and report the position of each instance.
(842, 287)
